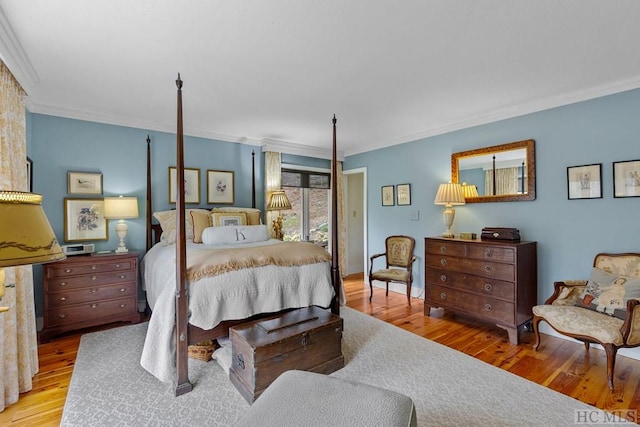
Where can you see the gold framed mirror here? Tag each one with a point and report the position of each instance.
(512, 167)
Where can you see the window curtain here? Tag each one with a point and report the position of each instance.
(18, 337)
(272, 182)
(506, 181)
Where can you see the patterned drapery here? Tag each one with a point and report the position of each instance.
(506, 181)
(18, 337)
(272, 182)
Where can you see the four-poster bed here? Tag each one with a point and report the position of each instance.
(304, 275)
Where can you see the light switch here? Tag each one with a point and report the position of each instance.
(415, 215)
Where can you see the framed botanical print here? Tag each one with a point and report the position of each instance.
(84, 220)
(388, 198)
(403, 194)
(191, 185)
(584, 182)
(220, 187)
(626, 178)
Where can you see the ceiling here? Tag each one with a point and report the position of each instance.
(276, 71)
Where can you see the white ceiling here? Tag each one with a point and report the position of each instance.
(260, 71)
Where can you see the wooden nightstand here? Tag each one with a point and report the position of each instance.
(89, 290)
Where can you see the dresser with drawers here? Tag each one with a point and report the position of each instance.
(89, 290)
(494, 281)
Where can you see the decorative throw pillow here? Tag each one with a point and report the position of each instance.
(253, 214)
(201, 220)
(167, 221)
(228, 218)
(235, 234)
(608, 293)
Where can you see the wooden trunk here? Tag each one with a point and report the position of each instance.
(308, 339)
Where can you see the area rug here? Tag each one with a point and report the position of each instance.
(449, 388)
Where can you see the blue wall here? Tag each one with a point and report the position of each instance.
(569, 232)
(58, 145)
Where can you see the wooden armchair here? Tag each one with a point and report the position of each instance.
(604, 310)
(399, 267)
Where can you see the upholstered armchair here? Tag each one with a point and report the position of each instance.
(604, 309)
(399, 264)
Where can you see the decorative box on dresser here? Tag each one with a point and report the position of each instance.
(495, 281)
(89, 290)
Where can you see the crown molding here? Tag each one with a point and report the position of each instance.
(269, 144)
(15, 57)
(511, 112)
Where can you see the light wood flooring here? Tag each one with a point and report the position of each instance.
(561, 365)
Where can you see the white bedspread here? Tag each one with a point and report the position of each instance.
(233, 295)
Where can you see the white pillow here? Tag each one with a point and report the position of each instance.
(235, 234)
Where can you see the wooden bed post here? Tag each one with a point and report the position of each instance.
(182, 368)
(149, 238)
(335, 268)
(253, 178)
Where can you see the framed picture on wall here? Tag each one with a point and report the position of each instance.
(626, 178)
(403, 194)
(585, 182)
(220, 187)
(191, 185)
(388, 198)
(84, 183)
(84, 220)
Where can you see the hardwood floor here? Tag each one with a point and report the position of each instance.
(561, 365)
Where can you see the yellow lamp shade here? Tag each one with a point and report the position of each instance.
(26, 237)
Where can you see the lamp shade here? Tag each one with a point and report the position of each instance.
(278, 201)
(26, 237)
(449, 194)
(120, 207)
(469, 190)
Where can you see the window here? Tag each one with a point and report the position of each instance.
(308, 192)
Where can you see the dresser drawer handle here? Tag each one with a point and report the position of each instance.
(93, 291)
(117, 265)
(62, 298)
(62, 284)
(62, 315)
(443, 261)
(443, 295)
(443, 249)
(123, 305)
(94, 305)
(488, 287)
(487, 268)
(68, 270)
(487, 307)
(123, 289)
(94, 277)
(443, 277)
(93, 267)
(122, 276)
(488, 254)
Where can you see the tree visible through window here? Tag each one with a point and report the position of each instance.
(308, 193)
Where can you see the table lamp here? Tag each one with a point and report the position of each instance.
(278, 201)
(469, 190)
(121, 208)
(448, 195)
(26, 237)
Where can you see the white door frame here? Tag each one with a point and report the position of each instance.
(363, 171)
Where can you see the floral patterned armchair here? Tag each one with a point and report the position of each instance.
(399, 266)
(604, 309)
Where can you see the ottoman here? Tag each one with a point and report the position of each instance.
(301, 399)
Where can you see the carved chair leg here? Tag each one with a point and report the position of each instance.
(611, 351)
(586, 345)
(536, 332)
(409, 293)
(371, 289)
(387, 283)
